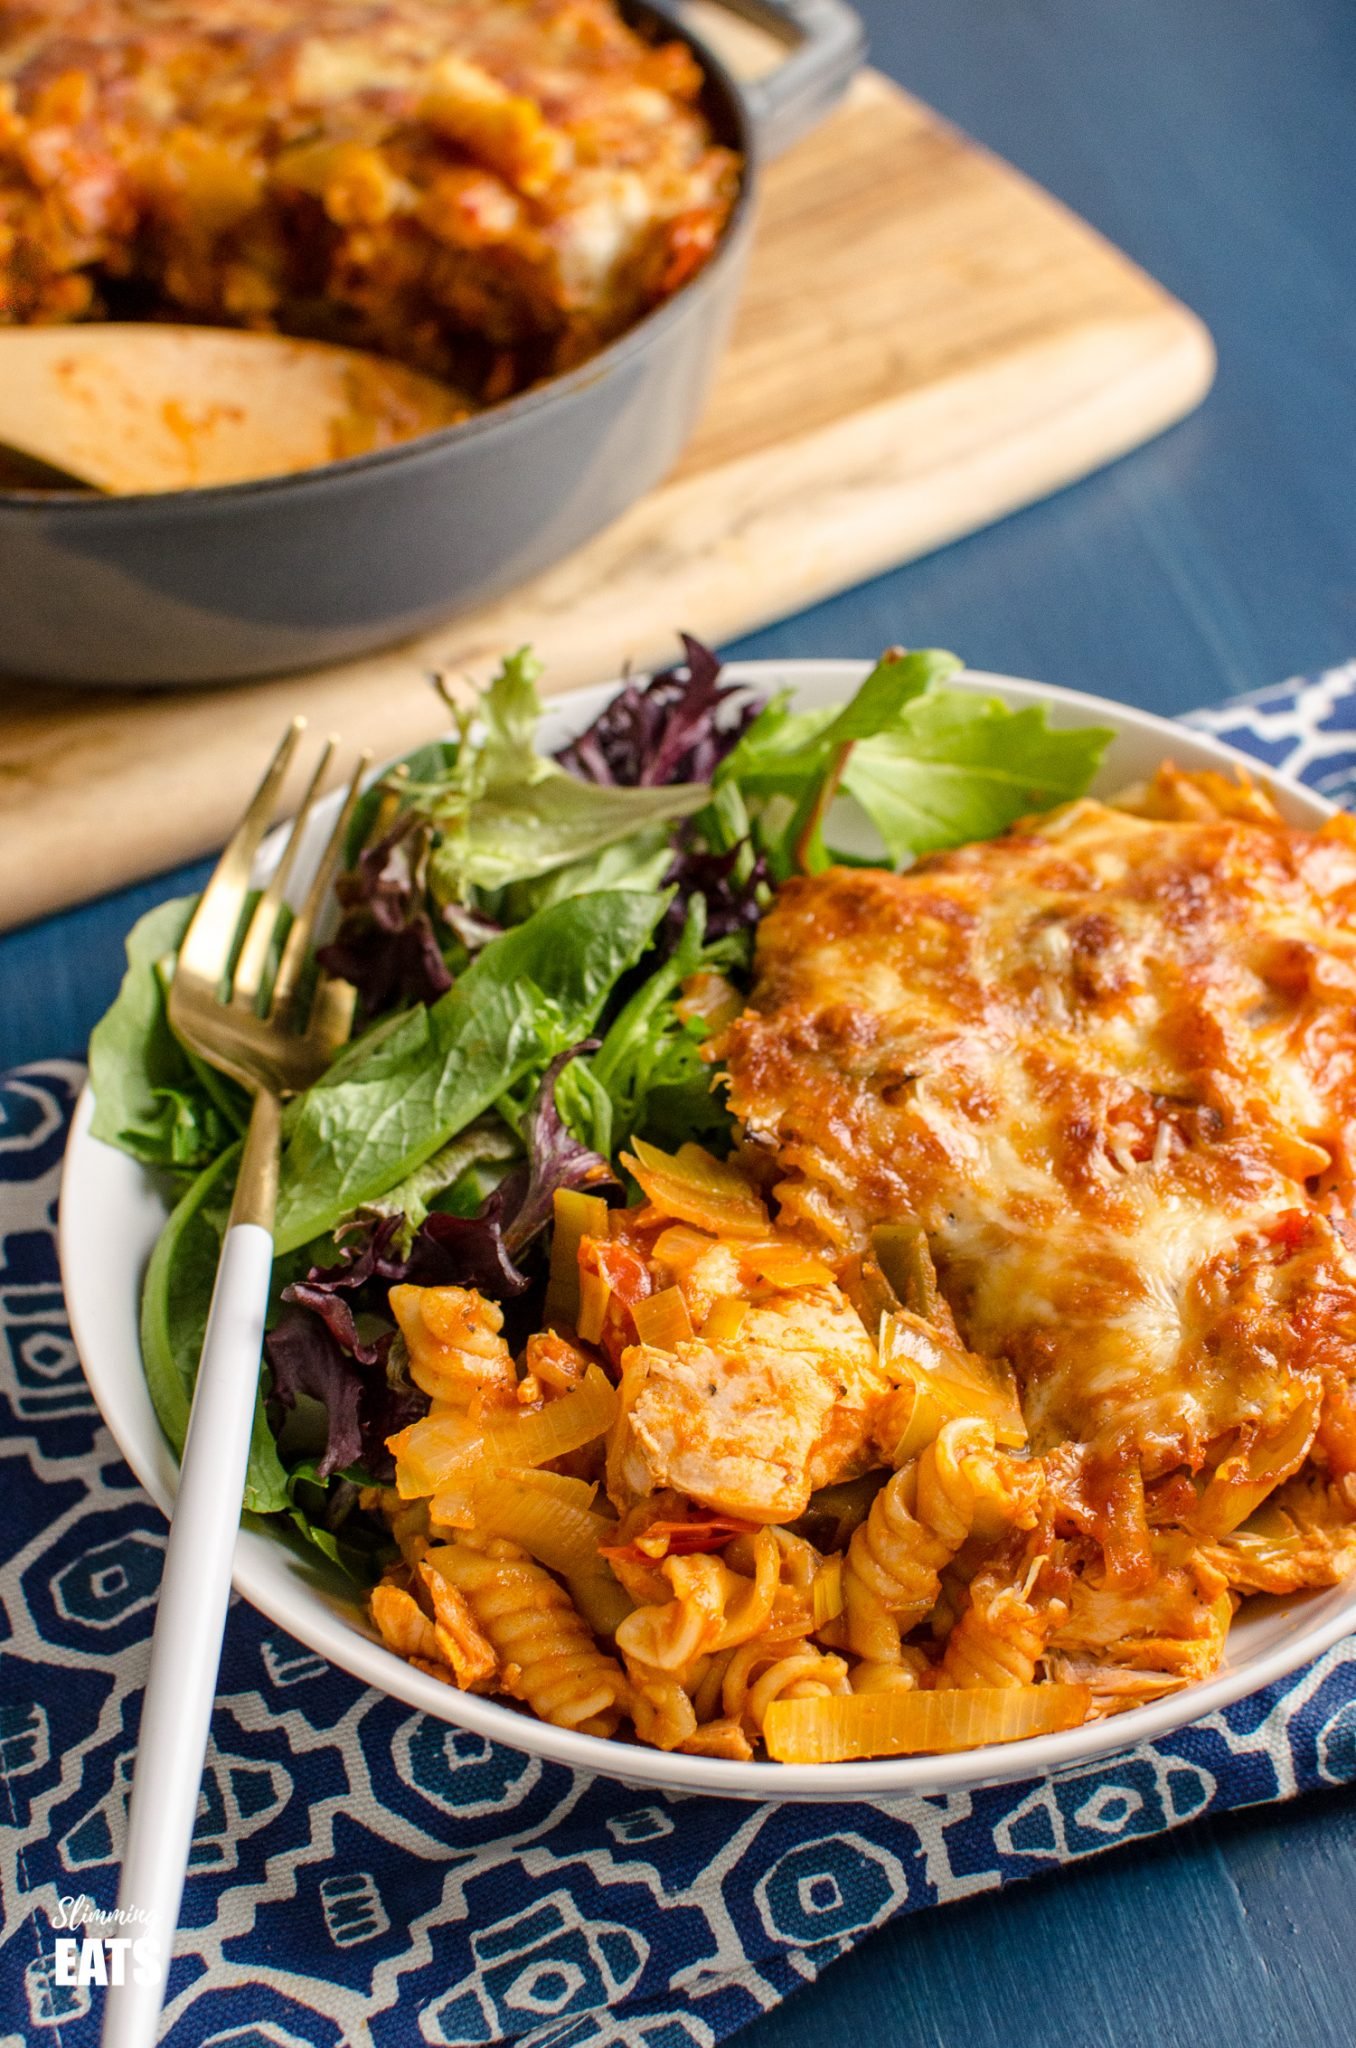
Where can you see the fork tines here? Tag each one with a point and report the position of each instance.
(226, 962)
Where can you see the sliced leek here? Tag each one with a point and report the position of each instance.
(1242, 1481)
(575, 1217)
(723, 1324)
(594, 1295)
(662, 1320)
(840, 1727)
(783, 1264)
(558, 1533)
(695, 1187)
(938, 1382)
(445, 1455)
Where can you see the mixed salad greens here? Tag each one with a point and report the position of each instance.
(540, 945)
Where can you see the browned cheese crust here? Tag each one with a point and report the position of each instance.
(1109, 1060)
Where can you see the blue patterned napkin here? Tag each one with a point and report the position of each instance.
(361, 1874)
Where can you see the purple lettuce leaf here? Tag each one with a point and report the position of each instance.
(664, 731)
(467, 1251)
(306, 1359)
(363, 1404)
(317, 1348)
(555, 1158)
(733, 905)
(386, 945)
(357, 1284)
(483, 1251)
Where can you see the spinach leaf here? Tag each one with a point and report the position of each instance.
(174, 1307)
(322, 1511)
(151, 1097)
(398, 1097)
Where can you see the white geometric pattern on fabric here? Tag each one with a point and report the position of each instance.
(360, 1873)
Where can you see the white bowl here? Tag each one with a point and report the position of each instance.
(112, 1211)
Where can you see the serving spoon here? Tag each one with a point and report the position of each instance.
(134, 406)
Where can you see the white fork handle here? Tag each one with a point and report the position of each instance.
(190, 1619)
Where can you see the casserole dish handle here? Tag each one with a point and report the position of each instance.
(826, 45)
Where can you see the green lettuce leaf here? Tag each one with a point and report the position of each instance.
(955, 767)
(777, 752)
(586, 1107)
(640, 862)
(785, 750)
(895, 682)
(428, 767)
(510, 710)
(507, 815)
(394, 1100)
(359, 1545)
(518, 831)
(487, 1143)
(151, 1097)
(649, 1066)
(930, 767)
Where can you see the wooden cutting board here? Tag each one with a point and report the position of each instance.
(926, 342)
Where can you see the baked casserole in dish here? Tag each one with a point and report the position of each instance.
(489, 190)
(546, 203)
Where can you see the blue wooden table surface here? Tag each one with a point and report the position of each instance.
(1216, 141)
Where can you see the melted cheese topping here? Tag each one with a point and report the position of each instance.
(1109, 1060)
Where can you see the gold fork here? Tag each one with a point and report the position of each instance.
(228, 1010)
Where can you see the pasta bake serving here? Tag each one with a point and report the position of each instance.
(489, 190)
(754, 1299)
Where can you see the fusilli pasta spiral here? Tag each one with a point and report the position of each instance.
(713, 1608)
(901, 1675)
(1002, 1634)
(456, 1351)
(770, 1669)
(547, 1655)
(918, 1521)
(661, 1706)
